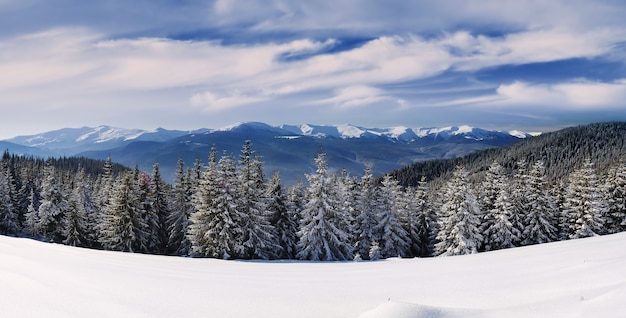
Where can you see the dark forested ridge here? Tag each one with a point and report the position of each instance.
(561, 152)
(563, 185)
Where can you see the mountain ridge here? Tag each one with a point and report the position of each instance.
(289, 149)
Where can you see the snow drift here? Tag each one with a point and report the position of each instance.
(585, 277)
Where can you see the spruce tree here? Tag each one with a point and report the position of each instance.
(541, 221)
(182, 207)
(53, 205)
(584, 204)
(366, 215)
(616, 199)
(259, 236)
(31, 222)
(283, 219)
(420, 220)
(9, 218)
(123, 227)
(77, 229)
(391, 237)
(459, 218)
(499, 230)
(321, 234)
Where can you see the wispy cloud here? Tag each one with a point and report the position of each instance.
(288, 55)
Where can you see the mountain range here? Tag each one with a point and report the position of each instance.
(287, 148)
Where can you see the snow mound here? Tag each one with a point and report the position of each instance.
(394, 309)
(575, 278)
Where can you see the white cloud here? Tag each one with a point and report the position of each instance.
(215, 102)
(571, 95)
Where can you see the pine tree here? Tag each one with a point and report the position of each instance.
(584, 203)
(499, 230)
(9, 219)
(76, 224)
(52, 207)
(392, 238)
(31, 222)
(321, 235)
(366, 215)
(283, 219)
(259, 236)
(182, 207)
(420, 220)
(519, 201)
(458, 218)
(159, 211)
(616, 199)
(540, 223)
(123, 228)
(204, 210)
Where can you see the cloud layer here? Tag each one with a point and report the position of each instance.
(188, 64)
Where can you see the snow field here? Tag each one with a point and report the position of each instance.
(576, 278)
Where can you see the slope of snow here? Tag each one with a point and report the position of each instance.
(578, 278)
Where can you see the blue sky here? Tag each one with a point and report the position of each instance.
(528, 65)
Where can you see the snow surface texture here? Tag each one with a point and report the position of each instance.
(576, 278)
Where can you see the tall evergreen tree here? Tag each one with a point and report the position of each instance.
(181, 209)
(420, 220)
(366, 215)
(259, 237)
(540, 222)
(53, 205)
(499, 230)
(123, 227)
(76, 225)
(9, 218)
(459, 218)
(392, 239)
(321, 235)
(283, 219)
(616, 199)
(584, 203)
(160, 210)
(31, 222)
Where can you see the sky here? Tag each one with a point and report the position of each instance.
(187, 64)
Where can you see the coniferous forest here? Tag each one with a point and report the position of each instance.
(563, 185)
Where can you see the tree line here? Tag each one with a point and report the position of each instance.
(226, 208)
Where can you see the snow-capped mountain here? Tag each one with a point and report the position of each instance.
(399, 133)
(289, 149)
(71, 141)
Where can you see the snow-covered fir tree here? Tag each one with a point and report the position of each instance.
(181, 209)
(259, 237)
(321, 235)
(392, 239)
(159, 211)
(204, 200)
(615, 192)
(216, 232)
(541, 220)
(419, 220)
(31, 220)
(459, 218)
(489, 191)
(52, 207)
(519, 200)
(9, 218)
(584, 204)
(499, 231)
(283, 219)
(366, 214)
(346, 194)
(76, 225)
(123, 227)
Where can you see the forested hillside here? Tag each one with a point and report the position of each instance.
(564, 185)
(561, 152)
